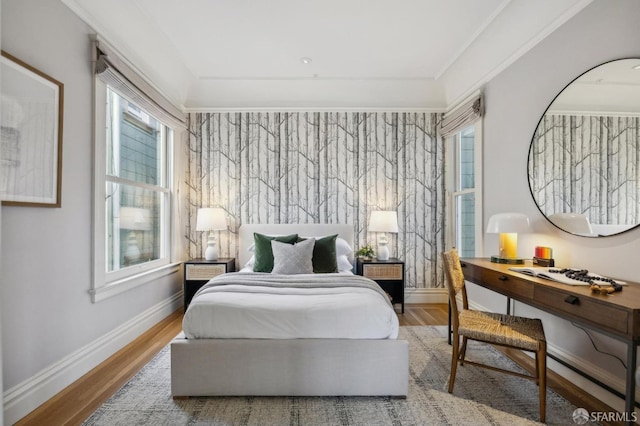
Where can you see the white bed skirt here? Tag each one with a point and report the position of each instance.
(297, 367)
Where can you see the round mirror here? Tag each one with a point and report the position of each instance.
(584, 159)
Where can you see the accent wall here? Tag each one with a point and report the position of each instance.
(322, 167)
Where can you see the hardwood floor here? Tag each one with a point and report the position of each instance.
(79, 400)
(424, 314)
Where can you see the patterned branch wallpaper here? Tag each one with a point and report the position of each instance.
(588, 165)
(322, 168)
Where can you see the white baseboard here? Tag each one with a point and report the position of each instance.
(23, 398)
(426, 295)
(585, 384)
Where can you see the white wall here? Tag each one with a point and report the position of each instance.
(51, 332)
(515, 101)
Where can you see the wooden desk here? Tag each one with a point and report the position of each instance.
(616, 315)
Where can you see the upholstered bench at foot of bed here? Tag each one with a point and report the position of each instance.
(297, 367)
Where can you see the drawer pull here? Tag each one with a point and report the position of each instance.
(503, 278)
(572, 300)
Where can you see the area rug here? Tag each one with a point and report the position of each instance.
(480, 397)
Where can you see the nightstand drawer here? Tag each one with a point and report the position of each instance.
(383, 272)
(198, 272)
(203, 271)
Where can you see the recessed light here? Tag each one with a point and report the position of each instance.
(637, 67)
(305, 60)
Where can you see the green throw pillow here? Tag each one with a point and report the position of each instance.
(324, 255)
(262, 250)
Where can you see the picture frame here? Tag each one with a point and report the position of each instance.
(31, 122)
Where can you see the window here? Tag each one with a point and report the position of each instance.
(464, 183)
(132, 182)
(137, 195)
(133, 210)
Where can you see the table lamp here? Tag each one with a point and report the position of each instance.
(134, 219)
(508, 225)
(211, 219)
(383, 221)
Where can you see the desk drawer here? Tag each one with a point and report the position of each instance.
(471, 273)
(585, 309)
(497, 281)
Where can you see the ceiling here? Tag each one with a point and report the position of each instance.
(208, 55)
(612, 88)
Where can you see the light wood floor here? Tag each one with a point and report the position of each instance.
(78, 401)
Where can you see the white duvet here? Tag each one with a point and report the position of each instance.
(268, 306)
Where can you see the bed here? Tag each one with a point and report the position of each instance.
(358, 360)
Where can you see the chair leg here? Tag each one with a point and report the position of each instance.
(463, 351)
(541, 368)
(455, 343)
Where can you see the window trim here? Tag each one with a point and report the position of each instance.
(450, 219)
(107, 284)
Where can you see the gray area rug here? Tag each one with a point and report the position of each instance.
(480, 397)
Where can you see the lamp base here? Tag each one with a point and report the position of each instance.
(211, 253)
(383, 249)
(383, 252)
(508, 260)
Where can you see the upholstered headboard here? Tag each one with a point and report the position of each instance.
(303, 229)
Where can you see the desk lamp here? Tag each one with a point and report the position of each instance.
(508, 225)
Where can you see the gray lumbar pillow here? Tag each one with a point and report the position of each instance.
(293, 258)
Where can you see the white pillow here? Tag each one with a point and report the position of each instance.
(344, 264)
(293, 258)
(343, 248)
(250, 262)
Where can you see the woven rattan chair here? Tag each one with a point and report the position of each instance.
(505, 330)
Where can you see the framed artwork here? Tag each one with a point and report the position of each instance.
(30, 135)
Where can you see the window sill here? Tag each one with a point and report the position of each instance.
(120, 286)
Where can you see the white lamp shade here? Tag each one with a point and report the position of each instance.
(383, 221)
(135, 218)
(572, 222)
(508, 223)
(211, 219)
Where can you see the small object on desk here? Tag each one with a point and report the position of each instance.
(543, 256)
(543, 252)
(596, 282)
(595, 288)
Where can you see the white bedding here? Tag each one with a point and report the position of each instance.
(289, 311)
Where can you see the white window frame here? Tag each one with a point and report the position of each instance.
(107, 284)
(450, 169)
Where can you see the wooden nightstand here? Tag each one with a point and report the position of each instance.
(389, 274)
(198, 271)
